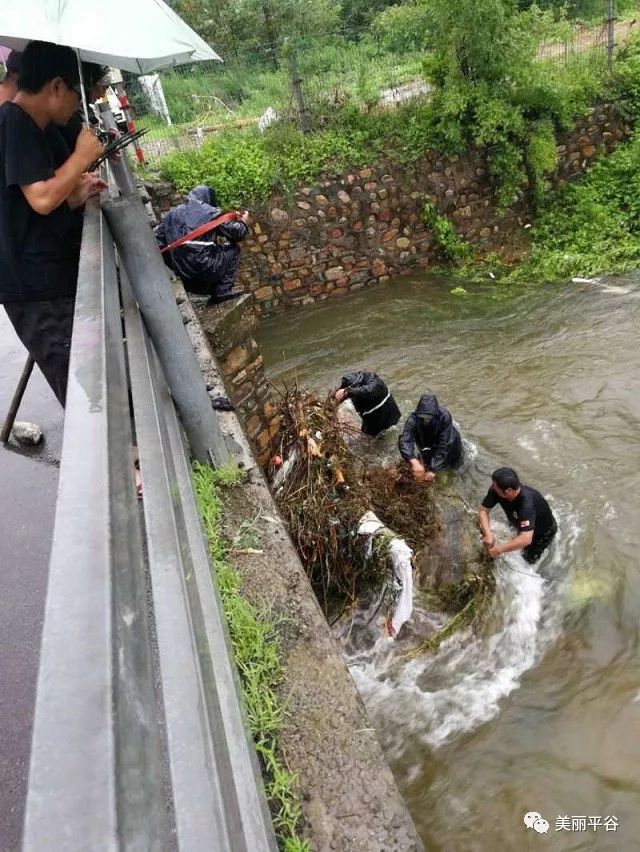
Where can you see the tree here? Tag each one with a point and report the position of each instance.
(490, 89)
(402, 28)
(357, 15)
(255, 30)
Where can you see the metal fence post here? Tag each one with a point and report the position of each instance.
(611, 16)
(149, 279)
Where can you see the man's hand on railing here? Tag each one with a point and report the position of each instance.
(90, 184)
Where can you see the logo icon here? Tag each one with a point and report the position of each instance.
(536, 821)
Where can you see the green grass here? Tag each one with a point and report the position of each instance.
(217, 93)
(157, 129)
(256, 648)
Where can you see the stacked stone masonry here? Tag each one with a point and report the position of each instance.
(231, 329)
(342, 235)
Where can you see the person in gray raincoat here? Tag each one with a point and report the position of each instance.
(371, 399)
(207, 265)
(429, 441)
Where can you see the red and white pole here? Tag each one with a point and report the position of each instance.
(126, 109)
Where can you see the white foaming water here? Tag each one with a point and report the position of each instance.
(433, 699)
(545, 434)
(470, 454)
(527, 444)
(612, 288)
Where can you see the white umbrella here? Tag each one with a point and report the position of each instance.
(135, 35)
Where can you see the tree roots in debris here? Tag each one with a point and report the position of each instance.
(327, 489)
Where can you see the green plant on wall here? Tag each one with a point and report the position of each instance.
(590, 227)
(453, 247)
(540, 156)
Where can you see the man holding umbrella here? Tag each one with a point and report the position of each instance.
(41, 189)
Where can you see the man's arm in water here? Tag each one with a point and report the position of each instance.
(517, 543)
(488, 538)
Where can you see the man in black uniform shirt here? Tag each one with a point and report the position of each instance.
(527, 512)
(42, 187)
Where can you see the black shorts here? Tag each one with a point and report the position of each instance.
(535, 550)
(45, 330)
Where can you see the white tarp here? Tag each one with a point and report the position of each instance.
(400, 555)
(152, 87)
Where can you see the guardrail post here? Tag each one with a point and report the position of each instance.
(149, 280)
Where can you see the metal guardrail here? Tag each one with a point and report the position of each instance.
(138, 741)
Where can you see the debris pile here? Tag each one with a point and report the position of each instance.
(331, 491)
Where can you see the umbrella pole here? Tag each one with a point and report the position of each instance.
(82, 90)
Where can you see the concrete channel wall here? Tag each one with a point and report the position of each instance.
(349, 798)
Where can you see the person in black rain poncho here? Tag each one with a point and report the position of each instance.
(205, 266)
(429, 441)
(371, 399)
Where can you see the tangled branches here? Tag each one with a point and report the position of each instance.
(323, 491)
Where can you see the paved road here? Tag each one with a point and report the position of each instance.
(28, 484)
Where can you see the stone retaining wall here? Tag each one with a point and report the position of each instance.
(342, 235)
(231, 331)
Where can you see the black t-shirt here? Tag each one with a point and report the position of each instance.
(38, 254)
(529, 511)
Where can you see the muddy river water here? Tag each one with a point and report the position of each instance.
(540, 710)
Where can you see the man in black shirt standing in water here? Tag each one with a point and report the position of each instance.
(527, 512)
(42, 187)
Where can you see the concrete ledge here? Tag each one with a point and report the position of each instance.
(349, 797)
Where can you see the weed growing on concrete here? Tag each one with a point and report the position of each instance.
(256, 649)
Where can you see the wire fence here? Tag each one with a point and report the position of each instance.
(305, 76)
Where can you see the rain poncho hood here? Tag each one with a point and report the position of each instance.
(198, 209)
(429, 404)
(354, 379)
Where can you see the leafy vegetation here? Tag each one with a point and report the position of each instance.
(489, 89)
(453, 247)
(593, 226)
(254, 637)
(246, 167)
(590, 227)
(335, 47)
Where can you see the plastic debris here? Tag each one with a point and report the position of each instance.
(400, 555)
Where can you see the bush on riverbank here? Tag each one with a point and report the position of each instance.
(489, 89)
(247, 168)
